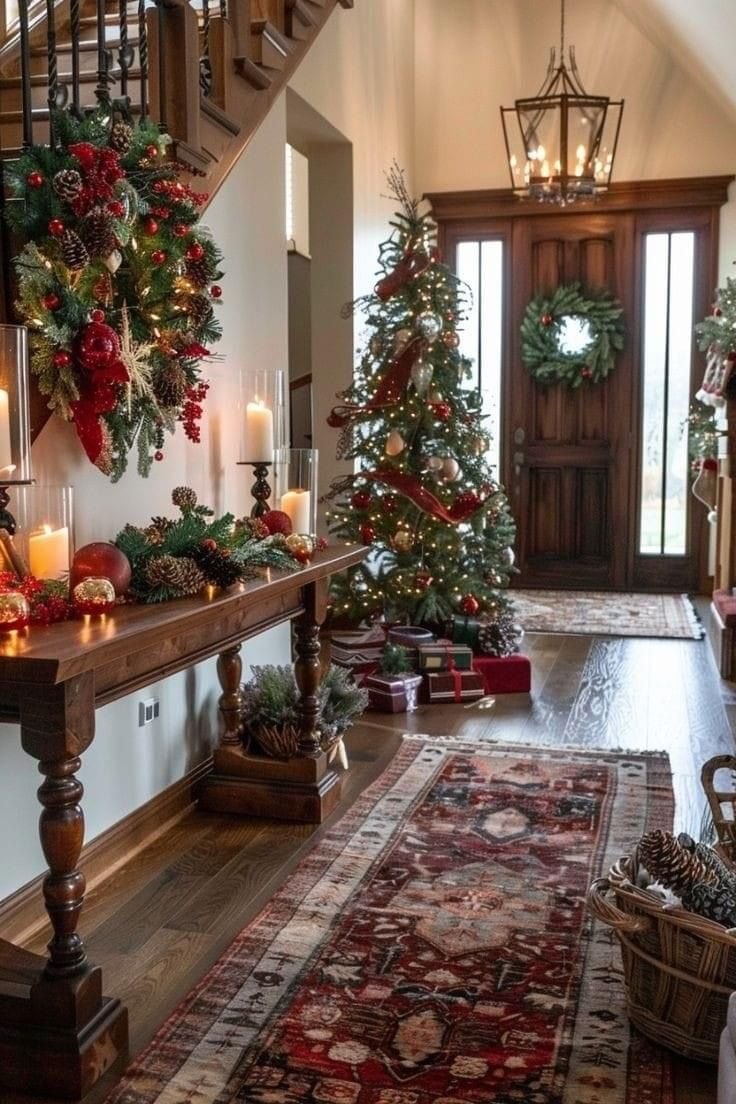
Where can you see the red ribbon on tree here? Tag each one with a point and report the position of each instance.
(410, 487)
(409, 267)
(389, 391)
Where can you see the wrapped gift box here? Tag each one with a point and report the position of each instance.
(453, 686)
(359, 651)
(410, 637)
(393, 693)
(443, 655)
(504, 674)
(464, 630)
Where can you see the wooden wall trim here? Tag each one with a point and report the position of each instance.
(634, 195)
(22, 915)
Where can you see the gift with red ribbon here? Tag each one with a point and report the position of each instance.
(444, 655)
(453, 685)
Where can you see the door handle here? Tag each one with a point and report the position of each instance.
(519, 435)
(519, 460)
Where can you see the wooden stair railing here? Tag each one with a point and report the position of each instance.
(208, 71)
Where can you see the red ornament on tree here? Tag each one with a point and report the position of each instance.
(277, 521)
(158, 257)
(97, 347)
(104, 560)
(209, 545)
(56, 228)
(195, 252)
(469, 604)
(151, 226)
(367, 533)
(62, 359)
(441, 411)
(216, 291)
(116, 208)
(547, 319)
(180, 230)
(35, 179)
(423, 580)
(361, 500)
(51, 301)
(151, 151)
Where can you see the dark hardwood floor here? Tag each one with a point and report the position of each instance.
(163, 919)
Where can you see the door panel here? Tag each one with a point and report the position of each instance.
(571, 477)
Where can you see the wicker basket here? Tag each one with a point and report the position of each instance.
(679, 969)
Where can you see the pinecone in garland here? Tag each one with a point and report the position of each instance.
(121, 137)
(695, 873)
(73, 251)
(158, 530)
(199, 310)
(98, 234)
(185, 498)
(198, 272)
(176, 575)
(499, 637)
(67, 184)
(217, 567)
(170, 385)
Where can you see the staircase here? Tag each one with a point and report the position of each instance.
(207, 73)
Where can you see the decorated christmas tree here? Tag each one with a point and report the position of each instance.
(424, 497)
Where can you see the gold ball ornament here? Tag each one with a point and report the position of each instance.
(435, 396)
(402, 541)
(95, 595)
(15, 613)
(478, 446)
(451, 469)
(395, 443)
(300, 547)
(435, 463)
(450, 339)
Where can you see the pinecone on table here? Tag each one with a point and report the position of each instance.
(176, 574)
(98, 233)
(121, 137)
(217, 567)
(198, 272)
(73, 251)
(170, 385)
(184, 497)
(67, 184)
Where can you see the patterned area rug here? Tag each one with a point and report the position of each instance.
(433, 948)
(603, 613)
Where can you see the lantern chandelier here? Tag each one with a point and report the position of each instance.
(561, 143)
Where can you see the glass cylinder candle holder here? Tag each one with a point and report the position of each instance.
(46, 530)
(15, 437)
(262, 415)
(296, 487)
(15, 612)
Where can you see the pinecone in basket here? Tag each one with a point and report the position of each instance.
(714, 902)
(175, 573)
(672, 864)
(171, 385)
(121, 137)
(98, 233)
(67, 184)
(73, 251)
(713, 861)
(218, 568)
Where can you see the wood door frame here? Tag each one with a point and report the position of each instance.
(689, 203)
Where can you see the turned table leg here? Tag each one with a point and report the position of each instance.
(307, 667)
(230, 674)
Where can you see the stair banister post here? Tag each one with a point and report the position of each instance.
(173, 40)
(240, 14)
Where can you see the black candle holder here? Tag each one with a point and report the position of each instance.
(7, 521)
(261, 489)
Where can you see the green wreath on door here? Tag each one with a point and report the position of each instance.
(572, 336)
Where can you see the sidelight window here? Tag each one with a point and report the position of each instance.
(667, 354)
(480, 265)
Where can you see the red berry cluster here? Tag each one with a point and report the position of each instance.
(101, 170)
(191, 413)
(46, 608)
(176, 192)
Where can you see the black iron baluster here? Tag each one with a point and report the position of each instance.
(102, 91)
(25, 73)
(205, 65)
(125, 54)
(57, 94)
(74, 27)
(143, 56)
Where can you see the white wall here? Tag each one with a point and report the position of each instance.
(359, 75)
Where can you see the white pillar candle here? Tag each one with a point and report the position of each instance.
(48, 553)
(298, 505)
(6, 456)
(259, 431)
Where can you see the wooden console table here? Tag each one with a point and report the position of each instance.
(58, 1034)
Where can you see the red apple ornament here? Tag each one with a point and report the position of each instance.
(101, 560)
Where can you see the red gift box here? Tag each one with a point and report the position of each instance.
(359, 651)
(453, 686)
(504, 674)
(392, 693)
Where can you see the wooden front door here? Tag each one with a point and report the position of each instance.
(568, 460)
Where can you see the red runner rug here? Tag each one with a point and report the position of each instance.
(433, 948)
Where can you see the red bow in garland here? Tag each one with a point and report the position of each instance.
(99, 396)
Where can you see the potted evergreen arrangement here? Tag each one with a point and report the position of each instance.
(270, 709)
